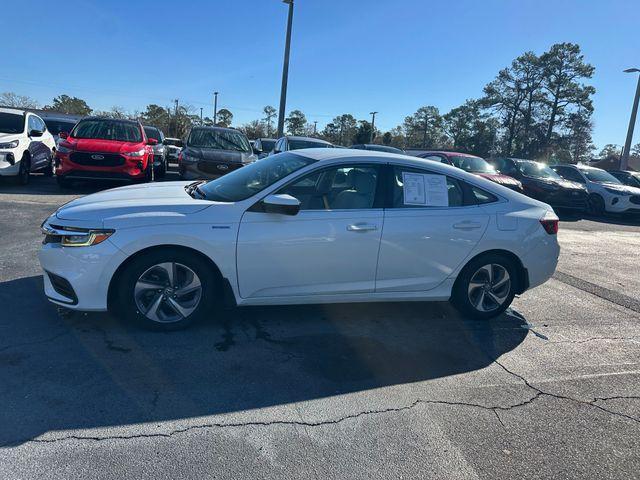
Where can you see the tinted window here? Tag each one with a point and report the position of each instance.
(435, 158)
(57, 126)
(32, 123)
(471, 164)
(247, 181)
(455, 192)
(569, 174)
(300, 144)
(11, 123)
(337, 188)
(153, 132)
(218, 139)
(482, 196)
(107, 129)
(267, 145)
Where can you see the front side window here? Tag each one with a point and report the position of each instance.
(570, 174)
(152, 132)
(102, 129)
(419, 188)
(472, 164)
(218, 140)
(253, 178)
(336, 188)
(11, 123)
(33, 124)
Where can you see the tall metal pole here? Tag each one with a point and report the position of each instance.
(200, 115)
(373, 125)
(624, 160)
(315, 127)
(285, 70)
(176, 117)
(215, 108)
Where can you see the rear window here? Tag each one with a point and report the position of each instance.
(101, 129)
(218, 139)
(11, 123)
(300, 144)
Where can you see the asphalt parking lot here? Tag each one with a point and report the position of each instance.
(551, 389)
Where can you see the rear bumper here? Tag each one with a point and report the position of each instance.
(541, 262)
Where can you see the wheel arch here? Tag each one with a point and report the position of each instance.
(523, 274)
(223, 282)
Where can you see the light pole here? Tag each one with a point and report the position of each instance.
(373, 125)
(624, 160)
(285, 70)
(215, 108)
(315, 127)
(200, 115)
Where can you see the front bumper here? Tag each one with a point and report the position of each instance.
(127, 169)
(622, 204)
(7, 169)
(87, 270)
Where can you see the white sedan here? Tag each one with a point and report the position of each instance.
(310, 226)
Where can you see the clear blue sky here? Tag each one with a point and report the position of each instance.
(348, 56)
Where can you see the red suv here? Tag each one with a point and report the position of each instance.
(105, 149)
(472, 164)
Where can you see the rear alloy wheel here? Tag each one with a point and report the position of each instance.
(166, 291)
(486, 287)
(24, 171)
(596, 204)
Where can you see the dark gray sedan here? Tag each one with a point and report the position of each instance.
(210, 152)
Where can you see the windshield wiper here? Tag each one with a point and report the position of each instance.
(193, 189)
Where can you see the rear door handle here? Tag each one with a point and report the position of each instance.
(361, 227)
(467, 225)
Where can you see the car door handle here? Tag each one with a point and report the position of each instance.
(467, 225)
(361, 227)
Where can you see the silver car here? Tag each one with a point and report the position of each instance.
(210, 152)
(160, 159)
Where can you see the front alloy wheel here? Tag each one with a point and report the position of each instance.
(168, 292)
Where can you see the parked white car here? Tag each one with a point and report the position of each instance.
(606, 192)
(310, 226)
(25, 145)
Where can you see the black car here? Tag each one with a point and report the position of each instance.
(377, 148)
(627, 177)
(262, 146)
(210, 152)
(542, 183)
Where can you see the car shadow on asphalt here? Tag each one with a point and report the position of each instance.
(612, 219)
(91, 370)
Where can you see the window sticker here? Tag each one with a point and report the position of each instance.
(425, 189)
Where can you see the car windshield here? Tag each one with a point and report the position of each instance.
(599, 176)
(538, 170)
(11, 122)
(300, 144)
(267, 145)
(152, 132)
(57, 126)
(218, 139)
(472, 164)
(102, 129)
(247, 181)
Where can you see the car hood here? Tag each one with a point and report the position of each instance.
(621, 188)
(561, 183)
(103, 146)
(499, 178)
(151, 200)
(211, 154)
(9, 137)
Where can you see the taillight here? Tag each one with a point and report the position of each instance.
(550, 223)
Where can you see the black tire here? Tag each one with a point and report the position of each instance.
(596, 204)
(49, 169)
(466, 298)
(131, 304)
(63, 182)
(24, 172)
(149, 173)
(162, 169)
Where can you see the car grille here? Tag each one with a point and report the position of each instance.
(214, 168)
(97, 159)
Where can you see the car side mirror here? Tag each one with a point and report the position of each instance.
(152, 141)
(281, 203)
(63, 135)
(35, 133)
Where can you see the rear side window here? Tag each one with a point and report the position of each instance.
(414, 188)
(482, 196)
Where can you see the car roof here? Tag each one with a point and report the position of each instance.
(296, 137)
(266, 138)
(215, 127)
(448, 153)
(16, 111)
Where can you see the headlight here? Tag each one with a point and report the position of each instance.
(13, 144)
(615, 191)
(139, 153)
(75, 237)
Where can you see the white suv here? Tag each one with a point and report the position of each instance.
(606, 192)
(25, 145)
